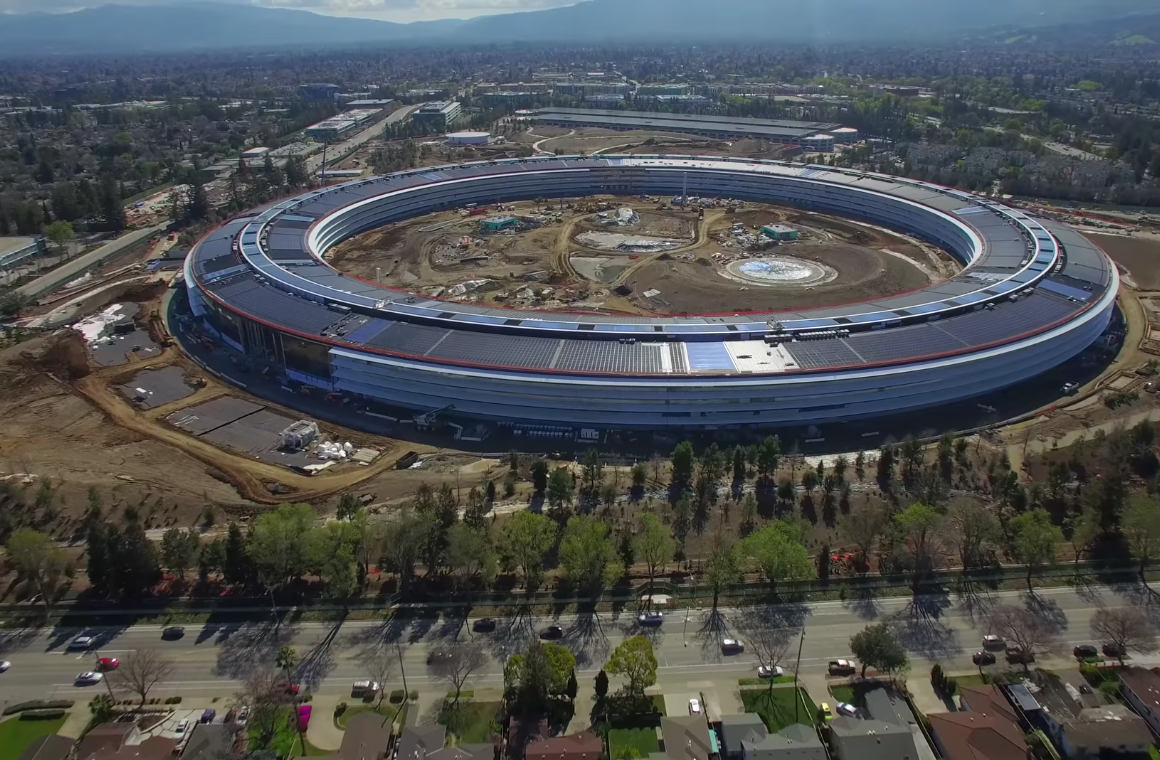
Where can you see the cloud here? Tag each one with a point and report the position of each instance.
(391, 10)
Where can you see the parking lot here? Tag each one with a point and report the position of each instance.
(241, 426)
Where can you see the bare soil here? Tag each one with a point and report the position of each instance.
(1139, 255)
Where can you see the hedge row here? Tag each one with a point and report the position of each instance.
(42, 714)
(38, 704)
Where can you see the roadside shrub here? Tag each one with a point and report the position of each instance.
(414, 695)
(173, 700)
(1111, 688)
(42, 714)
(38, 704)
(396, 696)
(339, 709)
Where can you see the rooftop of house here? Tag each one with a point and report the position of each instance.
(885, 705)
(415, 743)
(738, 728)
(581, 746)
(988, 699)
(686, 737)
(1144, 683)
(978, 736)
(873, 739)
(796, 742)
(1107, 726)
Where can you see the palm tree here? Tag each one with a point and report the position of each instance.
(286, 660)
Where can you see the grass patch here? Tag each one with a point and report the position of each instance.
(286, 742)
(387, 710)
(842, 693)
(471, 722)
(16, 734)
(780, 707)
(764, 681)
(632, 743)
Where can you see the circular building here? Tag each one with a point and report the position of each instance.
(1029, 296)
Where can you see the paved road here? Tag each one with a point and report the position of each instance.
(346, 146)
(78, 266)
(211, 659)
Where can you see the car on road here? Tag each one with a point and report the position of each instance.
(107, 663)
(437, 656)
(4, 665)
(824, 709)
(1019, 655)
(845, 708)
(364, 689)
(552, 632)
(181, 728)
(483, 625)
(841, 667)
(1112, 649)
(650, 618)
(243, 716)
(208, 715)
(172, 633)
(694, 706)
(88, 678)
(291, 688)
(731, 646)
(983, 657)
(991, 641)
(80, 642)
(1085, 651)
(764, 671)
(1069, 388)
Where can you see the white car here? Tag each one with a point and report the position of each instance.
(991, 641)
(845, 708)
(89, 678)
(80, 642)
(766, 672)
(694, 706)
(182, 727)
(4, 665)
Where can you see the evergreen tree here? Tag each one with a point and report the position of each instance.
(236, 566)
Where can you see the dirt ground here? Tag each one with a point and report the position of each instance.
(1138, 254)
(546, 264)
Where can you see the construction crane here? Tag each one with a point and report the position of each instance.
(426, 419)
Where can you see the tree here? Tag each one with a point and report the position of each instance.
(592, 475)
(682, 465)
(1141, 527)
(779, 552)
(1083, 528)
(878, 647)
(560, 489)
(972, 527)
(402, 543)
(59, 233)
(653, 545)
(179, 550)
(639, 477)
(143, 670)
(101, 708)
(1034, 537)
(264, 693)
(635, 661)
(279, 545)
(135, 565)
(601, 685)
(470, 553)
(38, 562)
(99, 545)
(1021, 627)
(236, 566)
(458, 663)
(1124, 628)
(722, 567)
(920, 524)
(863, 528)
(540, 475)
(768, 457)
(197, 207)
(769, 645)
(332, 550)
(348, 507)
(587, 555)
(286, 660)
(524, 541)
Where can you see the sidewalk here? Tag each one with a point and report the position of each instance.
(75, 720)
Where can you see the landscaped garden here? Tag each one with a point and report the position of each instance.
(632, 743)
(471, 722)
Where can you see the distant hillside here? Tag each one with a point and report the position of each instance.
(199, 26)
(1139, 30)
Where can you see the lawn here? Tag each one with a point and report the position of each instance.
(842, 693)
(16, 734)
(286, 741)
(632, 743)
(777, 706)
(387, 710)
(471, 722)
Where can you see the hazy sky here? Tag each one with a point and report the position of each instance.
(387, 10)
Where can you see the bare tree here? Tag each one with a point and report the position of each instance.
(769, 645)
(264, 695)
(1021, 627)
(142, 671)
(379, 663)
(972, 528)
(1124, 628)
(458, 663)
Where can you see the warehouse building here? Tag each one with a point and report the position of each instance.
(438, 115)
(14, 250)
(776, 130)
(779, 232)
(338, 127)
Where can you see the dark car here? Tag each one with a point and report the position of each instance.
(483, 625)
(438, 655)
(1085, 651)
(552, 632)
(172, 633)
(1019, 655)
(1113, 650)
(208, 715)
(983, 657)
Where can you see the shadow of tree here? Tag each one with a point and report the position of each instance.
(250, 646)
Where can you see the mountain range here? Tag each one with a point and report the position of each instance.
(190, 26)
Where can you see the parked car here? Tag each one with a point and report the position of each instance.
(88, 678)
(1085, 651)
(824, 709)
(107, 663)
(364, 689)
(650, 618)
(991, 641)
(694, 706)
(552, 632)
(80, 642)
(243, 716)
(768, 672)
(4, 665)
(1113, 650)
(172, 633)
(208, 715)
(983, 657)
(731, 646)
(483, 625)
(291, 688)
(182, 727)
(841, 668)
(1019, 655)
(845, 708)
(1069, 388)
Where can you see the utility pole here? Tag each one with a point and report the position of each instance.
(402, 672)
(796, 667)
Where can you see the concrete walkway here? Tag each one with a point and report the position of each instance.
(322, 732)
(75, 720)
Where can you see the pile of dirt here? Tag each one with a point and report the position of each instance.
(61, 354)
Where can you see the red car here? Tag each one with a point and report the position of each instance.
(108, 663)
(291, 688)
